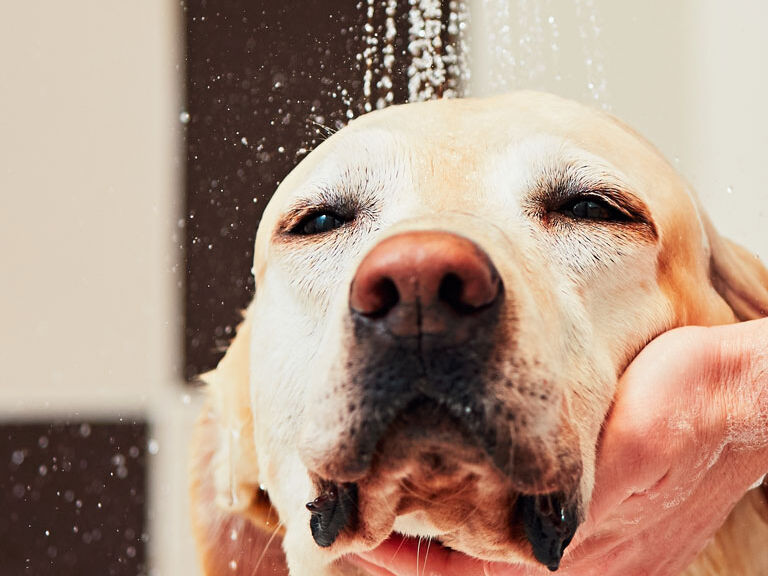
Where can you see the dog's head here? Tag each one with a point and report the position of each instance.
(447, 293)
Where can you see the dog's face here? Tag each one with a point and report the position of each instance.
(447, 293)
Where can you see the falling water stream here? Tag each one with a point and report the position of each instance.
(518, 44)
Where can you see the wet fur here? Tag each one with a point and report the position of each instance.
(247, 437)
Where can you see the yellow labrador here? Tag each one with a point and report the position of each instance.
(447, 293)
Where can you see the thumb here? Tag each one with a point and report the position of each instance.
(667, 402)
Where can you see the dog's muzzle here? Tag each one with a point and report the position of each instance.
(424, 314)
(424, 308)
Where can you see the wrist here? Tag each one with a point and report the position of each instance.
(743, 385)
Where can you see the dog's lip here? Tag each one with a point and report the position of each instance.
(440, 554)
(538, 530)
(402, 478)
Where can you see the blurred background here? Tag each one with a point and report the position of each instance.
(139, 142)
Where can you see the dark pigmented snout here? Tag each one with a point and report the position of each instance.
(424, 282)
(424, 309)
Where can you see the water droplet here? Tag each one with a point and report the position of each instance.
(233, 535)
(153, 447)
(244, 140)
(729, 189)
(17, 457)
(232, 565)
(85, 430)
(184, 117)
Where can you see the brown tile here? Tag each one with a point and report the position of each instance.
(72, 499)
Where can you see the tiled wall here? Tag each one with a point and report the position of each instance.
(90, 297)
(73, 498)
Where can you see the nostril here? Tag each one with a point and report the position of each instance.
(385, 292)
(451, 290)
(467, 294)
(423, 273)
(381, 297)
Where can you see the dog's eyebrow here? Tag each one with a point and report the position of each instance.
(562, 183)
(355, 192)
(319, 199)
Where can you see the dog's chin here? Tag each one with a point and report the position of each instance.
(430, 478)
(475, 512)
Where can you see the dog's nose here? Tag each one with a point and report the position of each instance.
(418, 281)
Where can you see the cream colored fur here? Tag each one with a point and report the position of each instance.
(468, 167)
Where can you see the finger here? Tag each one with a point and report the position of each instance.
(654, 427)
(502, 569)
(687, 396)
(369, 567)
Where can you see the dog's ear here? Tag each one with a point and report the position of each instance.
(738, 276)
(235, 466)
(236, 529)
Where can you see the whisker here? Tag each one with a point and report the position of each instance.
(418, 551)
(465, 487)
(467, 517)
(328, 131)
(410, 491)
(390, 507)
(266, 547)
(426, 556)
(402, 541)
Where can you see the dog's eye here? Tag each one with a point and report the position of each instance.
(319, 223)
(593, 209)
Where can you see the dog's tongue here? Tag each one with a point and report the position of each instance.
(549, 524)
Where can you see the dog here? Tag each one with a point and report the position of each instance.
(446, 295)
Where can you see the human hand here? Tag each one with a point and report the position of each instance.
(685, 440)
